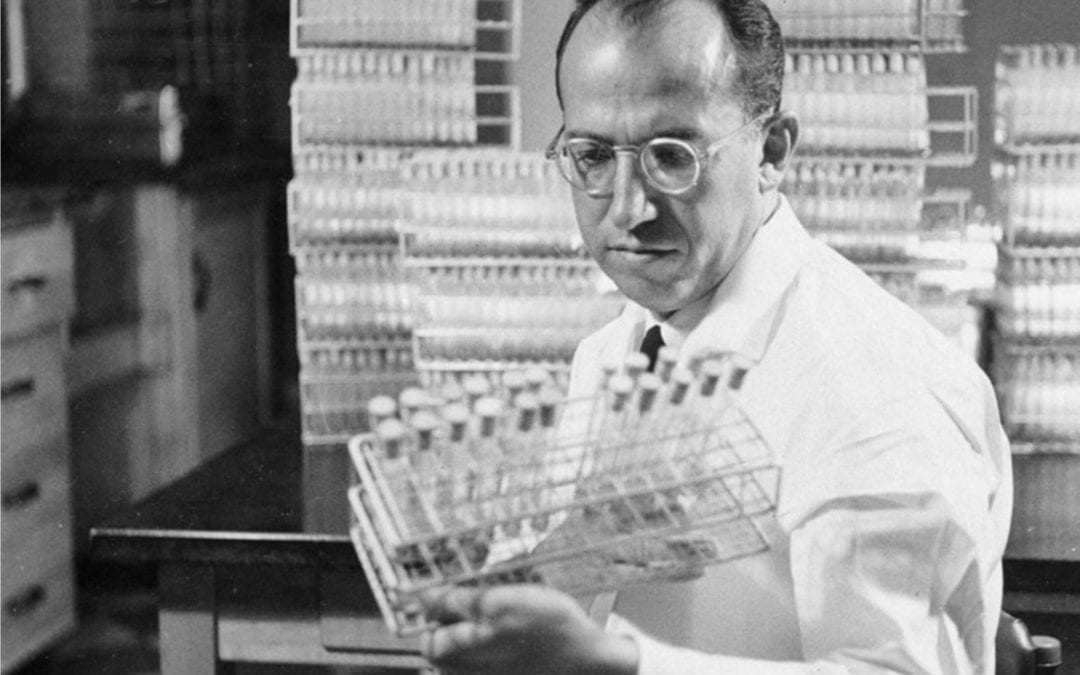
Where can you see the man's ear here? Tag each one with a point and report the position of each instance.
(781, 136)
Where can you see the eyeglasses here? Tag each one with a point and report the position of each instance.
(671, 165)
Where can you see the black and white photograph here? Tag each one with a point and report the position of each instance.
(529, 337)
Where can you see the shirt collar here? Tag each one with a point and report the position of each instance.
(739, 315)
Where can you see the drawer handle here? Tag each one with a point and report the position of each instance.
(20, 498)
(25, 602)
(34, 283)
(23, 387)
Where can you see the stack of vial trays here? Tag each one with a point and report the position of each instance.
(654, 477)
(1037, 173)
(870, 211)
(502, 277)
(1037, 97)
(855, 74)
(376, 81)
(859, 176)
(353, 327)
(934, 25)
(870, 102)
(416, 73)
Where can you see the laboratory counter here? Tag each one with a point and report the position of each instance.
(255, 563)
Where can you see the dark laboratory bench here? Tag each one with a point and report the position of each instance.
(255, 563)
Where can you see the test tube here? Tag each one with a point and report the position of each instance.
(392, 435)
(457, 415)
(549, 398)
(636, 364)
(457, 465)
(536, 377)
(711, 371)
(410, 400)
(476, 387)
(527, 404)
(380, 408)
(522, 472)
(620, 386)
(648, 386)
(514, 382)
(666, 359)
(486, 451)
(424, 422)
(452, 392)
(681, 378)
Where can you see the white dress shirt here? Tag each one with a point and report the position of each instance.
(896, 486)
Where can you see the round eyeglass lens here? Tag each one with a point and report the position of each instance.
(670, 164)
(588, 164)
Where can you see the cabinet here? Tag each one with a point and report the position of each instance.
(38, 298)
(171, 360)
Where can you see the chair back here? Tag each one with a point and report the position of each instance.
(1021, 653)
(1015, 651)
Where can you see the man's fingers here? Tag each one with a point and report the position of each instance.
(453, 604)
(454, 643)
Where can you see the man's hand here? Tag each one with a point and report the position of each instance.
(519, 629)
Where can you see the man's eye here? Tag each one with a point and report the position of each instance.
(590, 156)
(671, 156)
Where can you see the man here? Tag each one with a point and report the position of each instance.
(896, 490)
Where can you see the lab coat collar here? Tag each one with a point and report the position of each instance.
(742, 313)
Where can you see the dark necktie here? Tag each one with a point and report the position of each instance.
(651, 344)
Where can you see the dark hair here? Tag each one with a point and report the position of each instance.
(759, 47)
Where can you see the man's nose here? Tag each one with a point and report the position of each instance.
(630, 204)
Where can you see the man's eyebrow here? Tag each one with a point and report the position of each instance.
(681, 133)
(575, 133)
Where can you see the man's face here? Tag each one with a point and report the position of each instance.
(672, 78)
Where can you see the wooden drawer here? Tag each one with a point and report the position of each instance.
(37, 270)
(36, 511)
(35, 612)
(33, 397)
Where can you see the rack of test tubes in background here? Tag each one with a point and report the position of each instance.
(376, 83)
(1037, 174)
(655, 476)
(413, 73)
(930, 25)
(501, 276)
(855, 73)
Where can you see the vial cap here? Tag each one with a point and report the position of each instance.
(682, 376)
(514, 380)
(455, 413)
(390, 429)
(549, 396)
(636, 363)
(621, 384)
(412, 397)
(489, 406)
(381, 406)
(452, 391)
(712, 368)
(527, 401)
(476, 385)
(649, 382)
(537, 376)
(424, 420)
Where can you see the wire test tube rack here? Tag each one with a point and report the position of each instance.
(654, 477)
